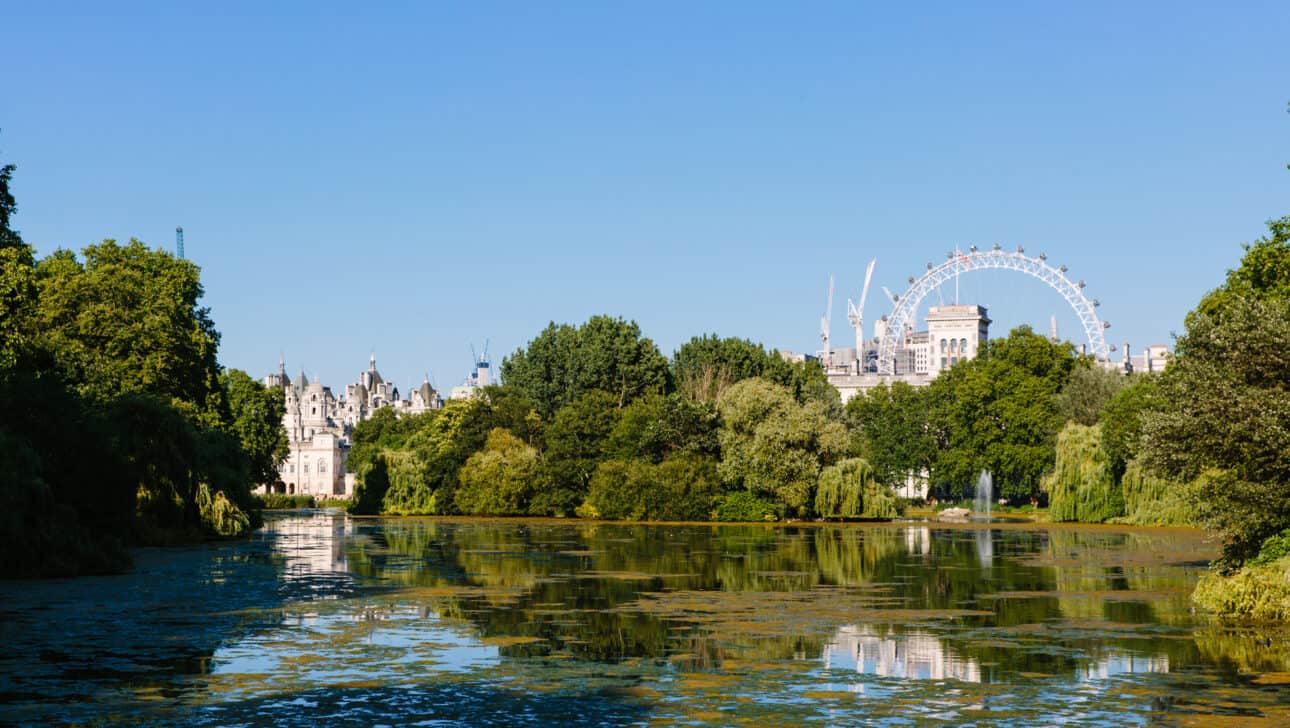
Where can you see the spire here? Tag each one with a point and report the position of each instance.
(372, 361)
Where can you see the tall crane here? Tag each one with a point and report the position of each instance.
(179, 242)
(826, 354)
(855, 314)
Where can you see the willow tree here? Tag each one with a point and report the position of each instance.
(848, 489)
(1082, 486)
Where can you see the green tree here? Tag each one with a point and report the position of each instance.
(773, 446)
(576, 442)
(17, 281)
(128, 320)
(1264, 272)
(892, 424)
(257, 421)
(605, 354)
(1082, 486)
(848, 490)
(1088, 391)
(705, 366)
(680, 488)
(656, 426)
(1224, 413)
(998, 412)
(1121, 420)
(499, 480)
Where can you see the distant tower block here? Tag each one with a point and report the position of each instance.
(1052, 329)
(179, 242)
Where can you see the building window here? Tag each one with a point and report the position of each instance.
(306, 467)
(942, 346)
(962, 346)
(954, 346)
(313, 411)
(944, 365)
(322, 466)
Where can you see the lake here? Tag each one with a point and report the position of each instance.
(322, 618)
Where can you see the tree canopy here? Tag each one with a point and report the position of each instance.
(565, 362)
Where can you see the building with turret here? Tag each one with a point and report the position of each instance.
(319, 427)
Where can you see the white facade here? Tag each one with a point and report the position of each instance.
(954, 333)
(319, 427)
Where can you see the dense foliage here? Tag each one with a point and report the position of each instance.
(1223, 411)
(117, 426)
(593, 422)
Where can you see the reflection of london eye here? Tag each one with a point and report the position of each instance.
(905, 306)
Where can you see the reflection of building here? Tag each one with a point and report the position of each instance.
(319, 426)
(919, 655)
(313, 545)
(913, 655)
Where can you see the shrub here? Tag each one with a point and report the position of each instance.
(681, 488)
(499, 479)
(1254, 592)
(743, 506)
(282, 501)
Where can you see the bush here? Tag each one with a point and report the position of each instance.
(681, 488)
(1259, 593)
(283, 502)
(744, 506)
(498, 480)
(1274, 548)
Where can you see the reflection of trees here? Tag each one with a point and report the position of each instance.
(578, 586)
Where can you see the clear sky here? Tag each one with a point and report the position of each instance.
(420, 176)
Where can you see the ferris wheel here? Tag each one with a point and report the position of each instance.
(905, 306)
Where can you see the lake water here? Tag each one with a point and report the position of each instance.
(325, 619)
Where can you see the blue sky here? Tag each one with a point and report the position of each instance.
(421, 176)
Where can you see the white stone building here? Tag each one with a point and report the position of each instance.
(319, 427)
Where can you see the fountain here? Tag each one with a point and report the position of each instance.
(984, 494)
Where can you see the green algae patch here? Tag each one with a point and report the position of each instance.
(508, 641)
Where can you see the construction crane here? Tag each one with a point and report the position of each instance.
(827, 353)
(179, 242)
(855, 314)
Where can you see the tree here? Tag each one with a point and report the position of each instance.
(565, 362)
(1082, 486)
(128, 320)
(771, 445)
(1087, 392)
(705, 366)
(680, 488)
(257, 421)
(998, 412)
(500, 479)
(1121, 420)
(656, 426)
(17, 281)
(892, 423)
(1224, 414)
(8, 207)
(848, 490)
(575, 444)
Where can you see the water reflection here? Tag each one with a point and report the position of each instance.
(324, 618)
(985, 548)
(914, 655)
